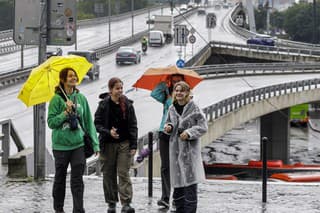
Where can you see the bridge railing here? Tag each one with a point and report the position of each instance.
(232, 103)
(8, 130)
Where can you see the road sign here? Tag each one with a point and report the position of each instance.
(211, 20)
(26, 21)
(192, 39)
(192, 30)
(180, 63)
(180, 35)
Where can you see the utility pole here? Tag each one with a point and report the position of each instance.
(268, 6)
(132, 14)
(315, 33)
(39, 110)
(109, 20)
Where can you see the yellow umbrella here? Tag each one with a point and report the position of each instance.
(43, 79)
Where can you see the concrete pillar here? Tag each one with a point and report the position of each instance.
(275, 126)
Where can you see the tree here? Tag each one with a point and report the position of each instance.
(298, 22)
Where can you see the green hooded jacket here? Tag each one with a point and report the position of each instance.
(62, 137)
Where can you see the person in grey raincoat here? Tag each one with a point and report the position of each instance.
(185, 123)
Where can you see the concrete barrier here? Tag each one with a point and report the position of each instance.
(21, 164)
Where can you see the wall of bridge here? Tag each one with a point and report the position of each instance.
(221, 125)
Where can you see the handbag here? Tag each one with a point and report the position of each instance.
(88, 146)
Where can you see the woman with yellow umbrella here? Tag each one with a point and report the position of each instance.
(67, 138)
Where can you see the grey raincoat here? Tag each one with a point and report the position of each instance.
(186, 166)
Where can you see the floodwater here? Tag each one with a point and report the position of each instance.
(242, 144)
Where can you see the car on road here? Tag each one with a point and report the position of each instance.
(91, 56)
(261, 40)
(127, 54)
(156, 38)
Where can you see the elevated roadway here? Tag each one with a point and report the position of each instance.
(207, 93)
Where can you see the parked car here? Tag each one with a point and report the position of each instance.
(261, 40)
(55, 52)
(156, 37)
(91, 56)
(128, 54)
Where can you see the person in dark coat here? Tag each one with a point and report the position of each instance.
(116, 124)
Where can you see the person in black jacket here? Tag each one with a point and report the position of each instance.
(116, 124)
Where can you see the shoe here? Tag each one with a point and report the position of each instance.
(126, 208)
(173, 207)
(112, 208)
(163, 203)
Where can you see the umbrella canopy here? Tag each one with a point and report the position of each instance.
(150, 79)
(43, 79)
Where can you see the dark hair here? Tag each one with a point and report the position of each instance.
(62, 78)
(122, 100)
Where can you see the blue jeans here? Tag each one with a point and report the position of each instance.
(186, 199)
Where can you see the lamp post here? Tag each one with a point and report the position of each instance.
(314, 31)
(109, 20)
(132, 10)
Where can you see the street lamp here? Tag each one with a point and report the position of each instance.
(132, 9)
(109, 20)
(314, 31)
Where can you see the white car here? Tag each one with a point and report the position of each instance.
(156, 38)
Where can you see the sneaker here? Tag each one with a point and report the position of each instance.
(126, 208)
(112, 208)
(163, 203)
(173, 207)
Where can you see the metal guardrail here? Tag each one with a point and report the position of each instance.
(270, 49)
(248, 69)
(7, 35)
(279, 42)
(20, 75)
(227, 105)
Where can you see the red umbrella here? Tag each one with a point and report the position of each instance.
(153, 76)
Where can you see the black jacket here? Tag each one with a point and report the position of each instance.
(101, 121)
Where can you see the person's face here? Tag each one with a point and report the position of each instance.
(117, 90)
(175, 79)
(72, 79)
(181, 95)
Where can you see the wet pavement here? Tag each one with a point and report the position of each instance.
(215, 196)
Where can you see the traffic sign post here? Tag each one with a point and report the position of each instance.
(180, 63)
(180, 35)
(211, 20)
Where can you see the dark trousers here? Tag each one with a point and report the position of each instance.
(77, 161)
(186, 199)
(115, 161)
(165, 166)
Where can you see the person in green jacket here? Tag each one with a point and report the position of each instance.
(67, 108)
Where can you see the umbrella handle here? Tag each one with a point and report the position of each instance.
(65, 95)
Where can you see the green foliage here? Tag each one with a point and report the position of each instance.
(297, 21)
